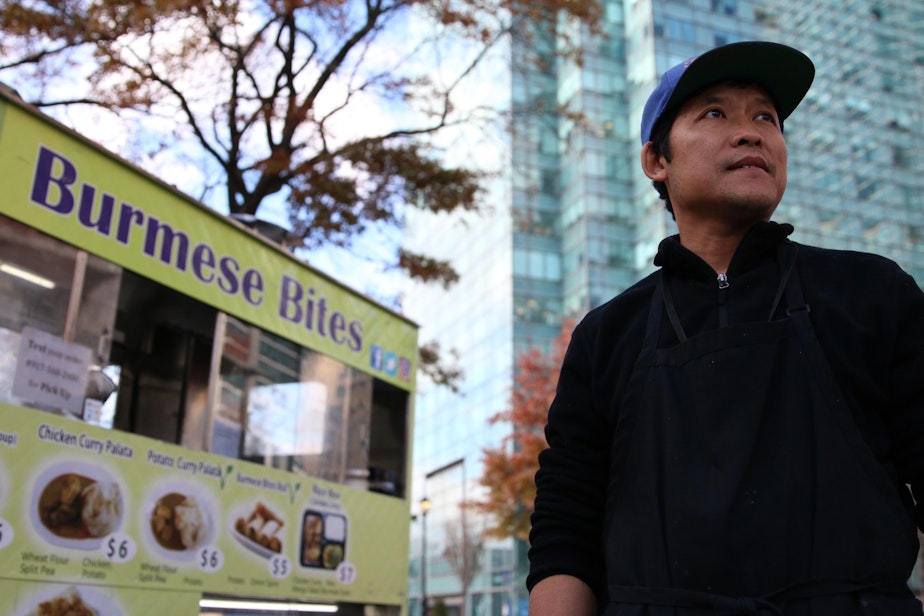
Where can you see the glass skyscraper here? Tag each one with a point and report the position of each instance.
(578, 222)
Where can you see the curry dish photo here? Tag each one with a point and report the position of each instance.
(177, 522)
(73, 506)
(68, 603)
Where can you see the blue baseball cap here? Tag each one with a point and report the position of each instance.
(785, 72)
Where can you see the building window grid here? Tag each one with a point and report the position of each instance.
(725, 7)
(686, 31)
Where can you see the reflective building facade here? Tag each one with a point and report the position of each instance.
(578, 221)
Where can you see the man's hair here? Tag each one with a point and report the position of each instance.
(660, 146)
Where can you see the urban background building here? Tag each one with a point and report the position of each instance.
(577, 221)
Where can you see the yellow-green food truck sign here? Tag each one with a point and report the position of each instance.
(259, 447)
(124, 515)
(71, 190)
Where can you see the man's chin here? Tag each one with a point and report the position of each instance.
(754, 208)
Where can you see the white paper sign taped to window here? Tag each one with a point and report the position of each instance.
(51, 372)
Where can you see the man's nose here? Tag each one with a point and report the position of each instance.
(746, 134)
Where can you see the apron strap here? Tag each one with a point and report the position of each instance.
(786, 252)
(653, 326)
(795, 302)
(672, 311)
(820, 368)
(786, 255)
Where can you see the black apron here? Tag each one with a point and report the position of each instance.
(742, 484)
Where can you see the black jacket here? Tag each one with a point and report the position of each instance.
(868, 315)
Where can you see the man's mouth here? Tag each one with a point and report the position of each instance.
(751, 162)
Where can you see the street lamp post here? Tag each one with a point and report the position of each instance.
(424, 508)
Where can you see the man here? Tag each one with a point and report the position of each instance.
(735, 434)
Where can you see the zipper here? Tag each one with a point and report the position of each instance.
(722, 280)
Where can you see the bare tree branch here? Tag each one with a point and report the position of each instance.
(271, 94)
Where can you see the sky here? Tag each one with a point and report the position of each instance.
(185, 166)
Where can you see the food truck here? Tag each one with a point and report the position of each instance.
(192, 420)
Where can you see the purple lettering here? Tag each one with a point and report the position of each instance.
(290, 297)
(45, 177)
(103, 222)
(55, 186)
(355, 343)
(229, 268)
(322, 313)
(252, 287)
(337, 325)
(128, 215)
(309, 309)
(167, 235)
(203, 263)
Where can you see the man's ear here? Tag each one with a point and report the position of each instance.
(653, 164)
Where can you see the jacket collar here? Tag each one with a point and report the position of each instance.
(760, 240)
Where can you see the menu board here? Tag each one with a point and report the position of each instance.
(113, 516)
(22, 598)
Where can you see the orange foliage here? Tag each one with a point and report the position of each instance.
(510, 468)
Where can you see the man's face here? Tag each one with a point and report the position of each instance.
(728, 156)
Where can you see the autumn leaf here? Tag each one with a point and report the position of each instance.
(509, 469)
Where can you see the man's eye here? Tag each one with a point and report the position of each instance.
(713, 113)
(768, 117)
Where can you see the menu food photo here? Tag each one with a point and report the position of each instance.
(98, 523)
